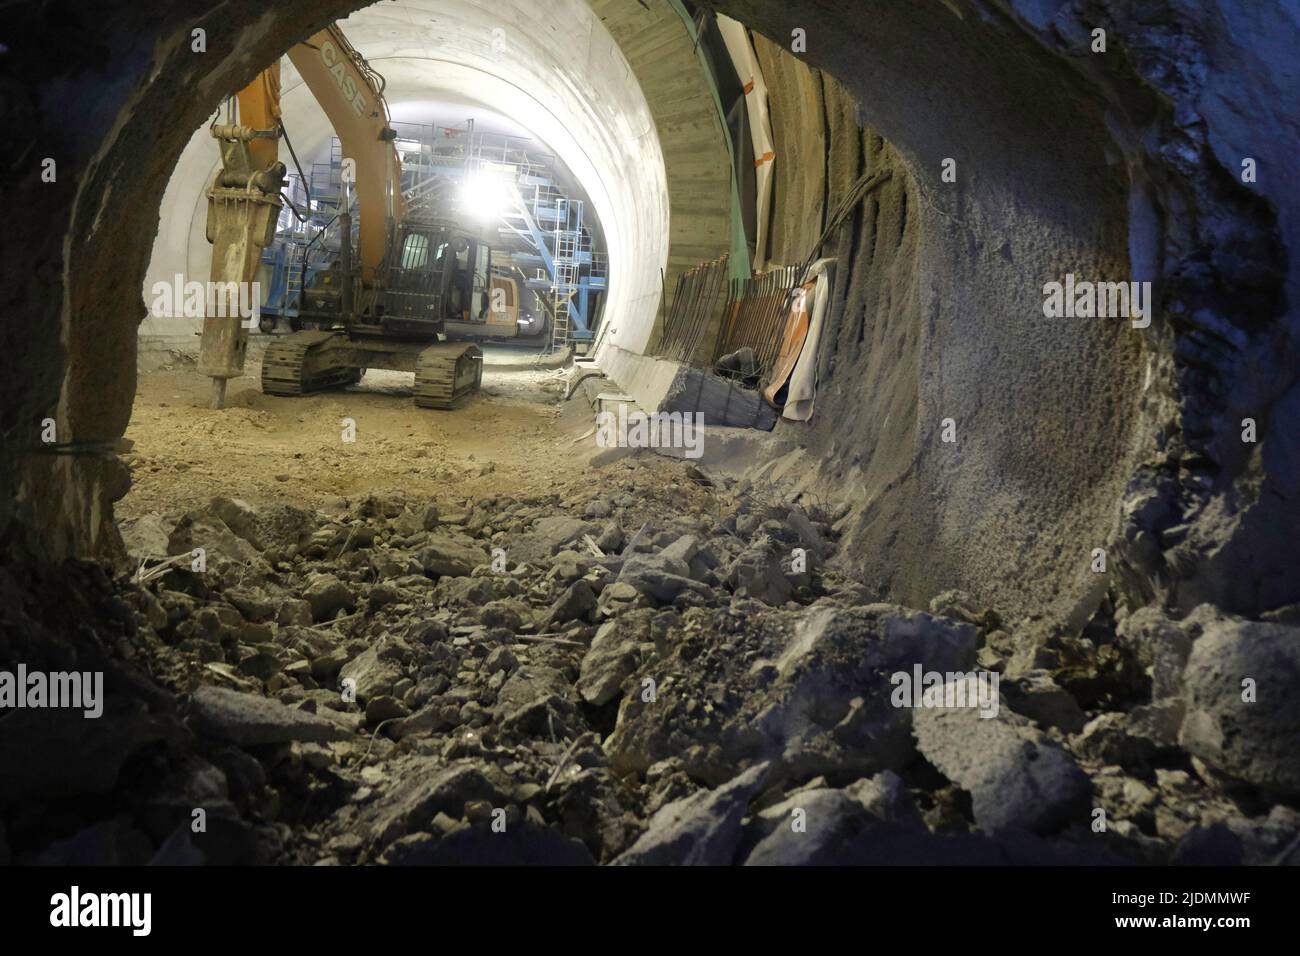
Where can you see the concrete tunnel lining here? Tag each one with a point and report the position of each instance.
(595, 120)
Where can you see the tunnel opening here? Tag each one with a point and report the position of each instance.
(442, 101)
(460, 163)
(498, 613)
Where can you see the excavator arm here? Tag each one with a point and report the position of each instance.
(352, 96)
(243, 207)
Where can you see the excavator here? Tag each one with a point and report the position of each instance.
(418, 273)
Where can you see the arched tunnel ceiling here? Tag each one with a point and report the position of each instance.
(567, 81)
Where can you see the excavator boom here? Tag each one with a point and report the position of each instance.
(352, 97)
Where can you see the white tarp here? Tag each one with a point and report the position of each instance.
(736, 36)
(802, 389)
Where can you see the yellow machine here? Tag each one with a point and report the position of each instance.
(415, 275)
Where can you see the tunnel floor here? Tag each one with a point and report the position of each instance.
(269, 448)
(466, 624)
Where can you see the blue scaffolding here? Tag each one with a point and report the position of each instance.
(541, 228)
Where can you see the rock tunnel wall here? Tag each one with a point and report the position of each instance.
(71, 292)
(1071, 434)
(937, 315)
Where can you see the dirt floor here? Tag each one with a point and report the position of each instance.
(511, 438)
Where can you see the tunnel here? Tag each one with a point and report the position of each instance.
(964, 533)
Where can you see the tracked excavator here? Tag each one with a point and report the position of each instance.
(416, 274)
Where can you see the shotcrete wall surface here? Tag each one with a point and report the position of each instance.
(938, 316)
(1071, 434)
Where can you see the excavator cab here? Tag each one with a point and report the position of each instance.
(434, 274)
(412, 294)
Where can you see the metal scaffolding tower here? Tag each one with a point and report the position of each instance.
(542, 230)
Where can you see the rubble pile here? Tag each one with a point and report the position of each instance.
(663, 670)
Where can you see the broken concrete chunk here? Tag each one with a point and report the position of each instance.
(1160, 644)
(1107, 739)
(374, 674)
(1243, 714)
(757, 572)
(250, 719)
(447, 556)
(577, 603)
(702, 829)
(1038, 697)
(549, 536)
(327, 595)
(609, 662)
(221, 547)
(683, 550)
(660, 576)
(807, 532)
(809, 828)
(886, 797)
(241, 518)
(426, 787)
(1017, 776)
(146, 536)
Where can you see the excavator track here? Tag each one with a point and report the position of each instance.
(301, 362)
(447, 373)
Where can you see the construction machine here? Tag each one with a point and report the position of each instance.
(243, 208)
(415, 274)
